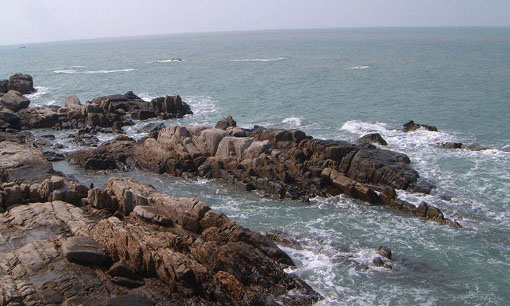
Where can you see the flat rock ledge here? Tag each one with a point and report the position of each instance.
(280, 163)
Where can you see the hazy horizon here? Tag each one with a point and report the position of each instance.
(29, 21)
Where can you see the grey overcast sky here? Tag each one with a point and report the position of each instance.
(23, 21)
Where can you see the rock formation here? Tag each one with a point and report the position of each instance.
(411, 126)
(66, 247)
(281, 163)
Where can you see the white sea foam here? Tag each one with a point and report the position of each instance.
(78, 66)
(146, 97)
(74, 71)
(258, 59)
(66, 71)
(292, 121)
(360, 127)
(172, 60)
(41, 91)
(201, 105)
(108, 71)
(359, 67)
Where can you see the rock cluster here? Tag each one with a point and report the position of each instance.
(281, 163)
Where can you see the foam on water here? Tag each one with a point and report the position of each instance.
(258, 59)
(292, 121)
(201, 106)
(41, 91)
(173, 60)
(359, 67)
(102, 71)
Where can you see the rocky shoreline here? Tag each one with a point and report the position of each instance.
(65, 243)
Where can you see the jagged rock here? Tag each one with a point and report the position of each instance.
(411, 126)
(373, 138)
(83, 250)
(226, 123)
(41, 117)
(22, 83)
(151, 214)
(244, 264)
(14, 101)
(126, 282)
(384, 251)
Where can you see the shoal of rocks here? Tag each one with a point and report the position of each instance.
(281, 163)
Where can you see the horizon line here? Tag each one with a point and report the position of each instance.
(246, 31)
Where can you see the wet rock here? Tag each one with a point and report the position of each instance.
(378, 262)
(411, 126)
(226, 123)
(372, 138)
(14, 101)
(83, 250)
(113, 154)
(460, 145)
(384, 251)
(22, 83)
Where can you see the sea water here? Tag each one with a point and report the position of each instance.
(332, 84)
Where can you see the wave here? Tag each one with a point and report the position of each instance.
(41, 91)
(359, 67)
(146, 97)
(74, 71)
(292, 121)
(173, 60)
(108, 71)
(258, 59)
(66, 71)
(201, 105)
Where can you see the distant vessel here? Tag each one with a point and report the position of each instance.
(22, 47)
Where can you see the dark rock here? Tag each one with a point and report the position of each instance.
(22, 83)
(373, 138)
(126, 282)
(411, 126)
(121, 269)
(460, 145)
(226, 123)
(4, 86)
(152, 127)
(14, 101)
(53, 156)
(384, 251)
(41, 117)
(9, 119)
(84, 250)
(378, 262)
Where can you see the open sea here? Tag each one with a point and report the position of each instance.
(332, 84)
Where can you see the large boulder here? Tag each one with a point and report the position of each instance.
(41, 117)
(22, 83)
(372, 138)
(14, 101)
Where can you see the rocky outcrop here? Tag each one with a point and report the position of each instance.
(281, 163)
(14, 101)
(246, 268)
(411, 126)
(113, 154)
(372, 138)
(4, 86)
(22, 83)
(52, 252)
(9, 120)
(104, 112)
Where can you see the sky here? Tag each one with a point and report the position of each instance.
(25, 21)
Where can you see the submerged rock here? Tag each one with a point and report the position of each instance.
(384, 251)
(411, 126)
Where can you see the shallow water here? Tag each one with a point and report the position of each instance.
(337, 84)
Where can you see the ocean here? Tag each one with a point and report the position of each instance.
(332, 84)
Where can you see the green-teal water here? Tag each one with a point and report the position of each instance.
(336, 84)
